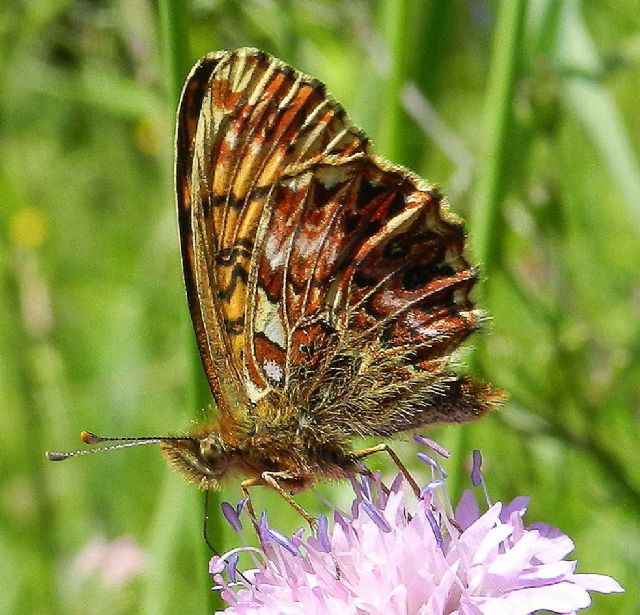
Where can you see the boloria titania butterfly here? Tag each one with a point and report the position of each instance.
(327, 287)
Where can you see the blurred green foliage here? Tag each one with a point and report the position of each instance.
(526, 113)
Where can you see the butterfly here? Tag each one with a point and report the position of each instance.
(327, 287)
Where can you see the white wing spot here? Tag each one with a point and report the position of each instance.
(273, 370)
(267, 320)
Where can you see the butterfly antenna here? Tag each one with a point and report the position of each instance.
(90, 438)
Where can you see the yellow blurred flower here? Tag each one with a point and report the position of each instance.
(28, 228)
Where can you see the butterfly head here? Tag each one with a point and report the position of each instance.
(201, 460)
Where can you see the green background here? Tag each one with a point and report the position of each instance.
(525, 113)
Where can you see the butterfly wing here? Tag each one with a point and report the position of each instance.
(243, 117)
(311, 263)
(198, 243)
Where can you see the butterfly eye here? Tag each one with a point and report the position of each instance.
(213, 456)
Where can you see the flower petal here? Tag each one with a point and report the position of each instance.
(467, 510)
(561, 597)
(598, 583)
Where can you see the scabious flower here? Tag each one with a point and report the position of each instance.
(388, 556)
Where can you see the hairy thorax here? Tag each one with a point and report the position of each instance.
(270, 437)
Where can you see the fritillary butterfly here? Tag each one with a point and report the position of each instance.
(327, 287)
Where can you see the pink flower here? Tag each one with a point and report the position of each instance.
(392, 560)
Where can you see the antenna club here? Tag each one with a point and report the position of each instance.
(88, 438)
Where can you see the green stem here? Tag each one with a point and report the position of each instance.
(394, 24)
(507, 49)
(435, 38)
(486, 221)
(174, 18)
(25, 348)
(174, 22)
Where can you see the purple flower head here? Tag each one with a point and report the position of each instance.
(398, 555)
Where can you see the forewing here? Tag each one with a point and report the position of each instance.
(246, 123)
(198, 246)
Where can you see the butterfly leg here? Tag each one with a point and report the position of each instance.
(244, 488)
(271, 479)
(383, 447)
(205, 524)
